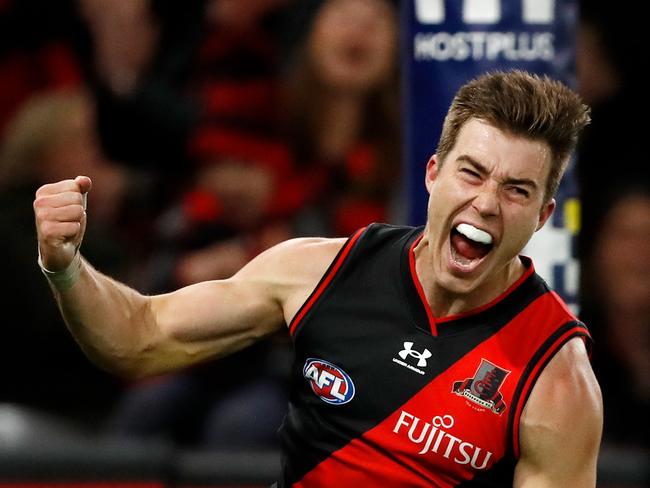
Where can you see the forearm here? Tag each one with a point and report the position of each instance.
(112, 323)
(134, 335)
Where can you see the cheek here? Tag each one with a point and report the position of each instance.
(445, 199)
(440, 211)
(451, 191)
(518, 232)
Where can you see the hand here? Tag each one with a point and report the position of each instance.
(60, 214)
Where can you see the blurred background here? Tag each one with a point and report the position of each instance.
(213, 129)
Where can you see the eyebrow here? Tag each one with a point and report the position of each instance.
(483, 170)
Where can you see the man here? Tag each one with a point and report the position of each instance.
(427, 356)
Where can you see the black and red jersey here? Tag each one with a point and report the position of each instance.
(384, 394)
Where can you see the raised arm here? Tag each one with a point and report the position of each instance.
(136, 335)
(561, 425)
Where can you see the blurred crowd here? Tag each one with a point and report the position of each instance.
(614, 245)
(213, 129)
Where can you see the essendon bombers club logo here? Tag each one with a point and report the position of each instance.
(329, 382)
(483, 388)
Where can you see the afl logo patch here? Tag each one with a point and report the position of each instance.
(329, 382)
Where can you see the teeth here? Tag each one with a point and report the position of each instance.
(474, 234)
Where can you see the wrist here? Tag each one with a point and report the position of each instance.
(66, 278)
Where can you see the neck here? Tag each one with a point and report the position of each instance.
(445, 302)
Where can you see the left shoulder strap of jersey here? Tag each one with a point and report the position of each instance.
(543, 355)
(326, 279)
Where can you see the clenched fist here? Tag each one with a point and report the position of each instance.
(61, 220)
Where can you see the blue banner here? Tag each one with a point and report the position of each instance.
(445, 43)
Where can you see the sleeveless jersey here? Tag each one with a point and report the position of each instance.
(383, 394)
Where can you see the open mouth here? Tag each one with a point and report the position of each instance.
(469, 245)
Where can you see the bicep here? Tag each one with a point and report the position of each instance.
(210, 319)
(216, 318)
(217, 309)
(561, 424)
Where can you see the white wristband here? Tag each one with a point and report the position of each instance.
(62, 280)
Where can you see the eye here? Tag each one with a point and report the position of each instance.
(470, 173)
(521, 192)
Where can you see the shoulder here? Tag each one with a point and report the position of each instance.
(306, 258)
(290, 271)
(561, 425)
(568, 372)
(300, 255)
(565, 389)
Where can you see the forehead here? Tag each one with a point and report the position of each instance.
(501, 151)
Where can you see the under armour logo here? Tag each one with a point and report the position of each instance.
(420, 356)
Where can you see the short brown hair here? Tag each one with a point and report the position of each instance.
(523, 104)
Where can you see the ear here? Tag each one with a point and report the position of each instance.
(431, 172)
(545, 213)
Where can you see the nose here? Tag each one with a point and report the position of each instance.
(486, 201)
